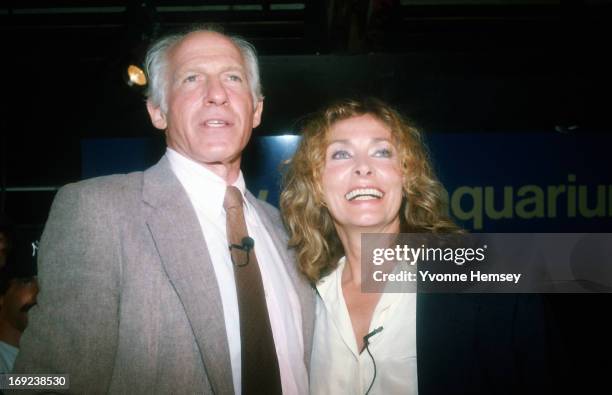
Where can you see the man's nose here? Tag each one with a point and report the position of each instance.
(215, 92)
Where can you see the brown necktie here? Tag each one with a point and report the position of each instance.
(260, 372)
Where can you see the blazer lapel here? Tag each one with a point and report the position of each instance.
(303, 289)
(178, 237)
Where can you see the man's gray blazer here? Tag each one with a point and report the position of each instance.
(129, 300)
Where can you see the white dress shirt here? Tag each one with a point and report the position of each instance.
(8, 354)
(337, 367)
(206, 191)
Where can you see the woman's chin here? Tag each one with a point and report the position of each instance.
(373, 225)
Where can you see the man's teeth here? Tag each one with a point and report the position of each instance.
(364, 194)
(216, 122)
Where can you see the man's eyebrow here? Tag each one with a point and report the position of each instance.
(200, 69)
(234, 68)
(239, 71)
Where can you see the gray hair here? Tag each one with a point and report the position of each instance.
(156, 65)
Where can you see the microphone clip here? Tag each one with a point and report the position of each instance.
(246, 245)
(366, 338)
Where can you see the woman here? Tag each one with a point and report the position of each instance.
(360, 168)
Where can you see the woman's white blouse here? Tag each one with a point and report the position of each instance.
(336, 365)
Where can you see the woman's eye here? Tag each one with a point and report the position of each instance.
(340, 154)
(383, 153)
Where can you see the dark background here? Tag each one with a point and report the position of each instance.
(454, 66)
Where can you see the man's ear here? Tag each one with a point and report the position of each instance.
(257, 113)
(158, 118)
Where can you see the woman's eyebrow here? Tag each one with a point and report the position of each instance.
(341, 141)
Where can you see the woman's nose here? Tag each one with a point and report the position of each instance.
(363, 168)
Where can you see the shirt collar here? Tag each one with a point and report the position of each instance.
(330, 286)
(205, 188)
(330, 289)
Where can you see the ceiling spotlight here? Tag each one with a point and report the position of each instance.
(135, 76)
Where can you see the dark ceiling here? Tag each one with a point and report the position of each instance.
(283, 27)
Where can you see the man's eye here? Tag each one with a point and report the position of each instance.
(234, 78)
(191, 78)
(340, 154)
(383, 153)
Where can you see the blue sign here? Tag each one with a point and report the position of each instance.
(496, 182)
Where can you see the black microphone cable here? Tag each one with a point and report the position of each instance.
(366, 340)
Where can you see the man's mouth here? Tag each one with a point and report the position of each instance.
(364, 194)
(25, 308)
(216, 123)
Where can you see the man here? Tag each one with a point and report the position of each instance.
(18, 291)
(140, 291)
(5, 238)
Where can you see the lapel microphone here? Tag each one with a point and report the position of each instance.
(246, 244)
(367, 337)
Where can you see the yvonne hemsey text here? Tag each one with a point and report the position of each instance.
(426, 276)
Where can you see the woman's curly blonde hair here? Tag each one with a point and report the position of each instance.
(311, 228)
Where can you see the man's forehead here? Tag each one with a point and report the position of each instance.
(205, 44)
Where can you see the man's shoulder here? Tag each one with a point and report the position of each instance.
(106, 185)
(98, 193)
